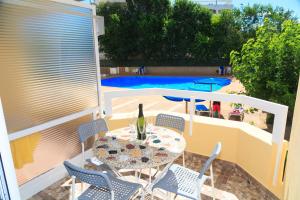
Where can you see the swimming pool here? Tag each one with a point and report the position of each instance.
(167, 82)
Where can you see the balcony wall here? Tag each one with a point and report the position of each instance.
(292, 180)
(247, 146)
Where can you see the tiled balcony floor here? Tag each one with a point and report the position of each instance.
(231, 183)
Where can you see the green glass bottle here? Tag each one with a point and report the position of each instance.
(141, 132)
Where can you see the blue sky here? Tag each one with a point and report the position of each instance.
(293, 5)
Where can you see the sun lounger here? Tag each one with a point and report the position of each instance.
(200, 108)
(238, 111)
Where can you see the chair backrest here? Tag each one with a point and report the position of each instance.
(170, 121)
(94, 178)
(212, 157)
(91, 128)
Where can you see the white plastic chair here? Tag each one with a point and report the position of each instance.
(186, 182)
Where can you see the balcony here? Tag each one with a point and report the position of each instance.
(252, 160)
(50, 85)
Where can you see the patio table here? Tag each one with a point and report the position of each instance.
(121, 150)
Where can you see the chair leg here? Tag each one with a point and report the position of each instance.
(73, 188)
(112, 195)
(140, 174)
(143, 194)
(81, 187)
(150, 176)
(152, 194)
(168, 195)
(183, 160)
(212, 182)
(157, 171)
(136, 175)
(83, 155)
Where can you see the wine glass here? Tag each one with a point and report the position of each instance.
(132, 126)
(150, 125)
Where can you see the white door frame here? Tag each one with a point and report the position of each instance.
(7, 160)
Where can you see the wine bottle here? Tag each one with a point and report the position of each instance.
(141, 132)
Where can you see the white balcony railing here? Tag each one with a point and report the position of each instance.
(279, 111)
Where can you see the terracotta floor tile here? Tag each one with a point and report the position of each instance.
(231, 183)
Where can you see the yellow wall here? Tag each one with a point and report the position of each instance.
(249, 147)
(292, 182)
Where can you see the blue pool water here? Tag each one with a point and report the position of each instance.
(167, 82)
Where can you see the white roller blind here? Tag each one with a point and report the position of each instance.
(47, 60)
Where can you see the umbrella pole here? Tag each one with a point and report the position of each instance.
(186, 107)
(210, 100)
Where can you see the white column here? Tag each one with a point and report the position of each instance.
(97, 57)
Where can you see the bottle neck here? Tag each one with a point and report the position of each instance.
(141, 111)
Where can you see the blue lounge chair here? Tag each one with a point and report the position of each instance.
(200, 108)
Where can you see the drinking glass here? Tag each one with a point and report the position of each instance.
(133, 131)
(150, 125)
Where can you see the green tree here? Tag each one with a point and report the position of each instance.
(157, 32)
(252, 17)
(149, 18)
(226, 35)
(119, 42)
(269, 64)
(134, 30)
(188, 27)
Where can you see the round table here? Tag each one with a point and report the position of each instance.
(121, 150)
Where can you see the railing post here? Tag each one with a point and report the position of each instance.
(278, 138)
(192, 112)
(107, 105)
